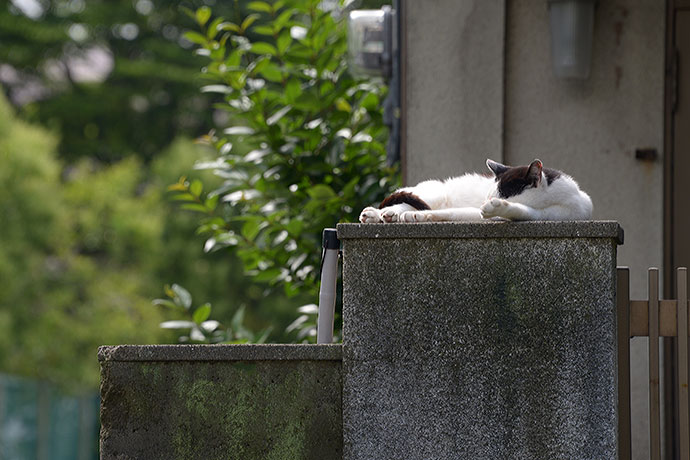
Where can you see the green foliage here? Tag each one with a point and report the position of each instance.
(70, 262)
(305, 145)
(108, 76)
(195, 325)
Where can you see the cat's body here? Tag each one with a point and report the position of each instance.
(515, 193)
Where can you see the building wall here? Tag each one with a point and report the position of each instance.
(479, 84)
(453, 103)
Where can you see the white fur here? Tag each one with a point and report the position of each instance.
(473, 197)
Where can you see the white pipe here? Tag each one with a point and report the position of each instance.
(327, 291)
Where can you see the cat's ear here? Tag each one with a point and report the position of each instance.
(534, 172)
(496, 168)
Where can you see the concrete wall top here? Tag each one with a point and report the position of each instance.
(489, 229)
(235, 352)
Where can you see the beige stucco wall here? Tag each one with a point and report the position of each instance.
(454, 89)
(480, 84)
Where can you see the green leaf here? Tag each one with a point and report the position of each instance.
(251, 228)
(182, 297)
(238, 130)
(342, 105)
(283, 18)
(177, 324)
(196, 187)
(195, 37)
(220, 89)
(165, 303)
(260, 6)
(229, 26)
(292, 90)
(202, 15)
(273, 119)
(321, 192)
(263, 30)
(237, 319)
(272, 73)
(211, 202)
(202, 313)
(248, 21)
(284, 41)
(194, 207)
(213, 30)
(264, 48)
(266, 275)
(183, 197)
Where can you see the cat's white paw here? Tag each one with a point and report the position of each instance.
(495, 207)
(390, 214)
(370, 215)
(414, 216)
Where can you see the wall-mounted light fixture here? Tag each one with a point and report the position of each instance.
(572, 28)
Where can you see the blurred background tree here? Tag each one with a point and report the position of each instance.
(102, 99)
(102, 109)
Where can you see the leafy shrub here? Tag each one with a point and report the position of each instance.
(304, 148)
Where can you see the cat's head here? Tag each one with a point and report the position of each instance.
(514, 180)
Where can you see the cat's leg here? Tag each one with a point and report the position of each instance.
(497, 207)
(392, 213)
(443, 215)
(388, 214)
(370, 215)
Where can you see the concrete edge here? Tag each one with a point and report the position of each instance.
(244, 352)
(488, 229)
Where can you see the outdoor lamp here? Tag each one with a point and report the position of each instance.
(370, 42)
(572, 27)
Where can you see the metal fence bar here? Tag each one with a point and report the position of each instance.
(623, 320)
(683, 415)
(654, 418)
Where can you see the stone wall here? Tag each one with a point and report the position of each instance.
(211, 402)
(480, 341)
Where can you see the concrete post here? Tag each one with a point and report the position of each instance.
(480, 341)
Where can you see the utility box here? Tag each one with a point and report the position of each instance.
(480, 340)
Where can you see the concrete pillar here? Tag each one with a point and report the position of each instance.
(480, 341)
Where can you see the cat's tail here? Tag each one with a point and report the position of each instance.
(408, 198)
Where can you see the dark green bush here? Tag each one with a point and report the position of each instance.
(304, 147)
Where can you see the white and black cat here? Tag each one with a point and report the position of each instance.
(515, 193)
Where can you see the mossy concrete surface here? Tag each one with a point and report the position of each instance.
(221, 402)
(491, 340)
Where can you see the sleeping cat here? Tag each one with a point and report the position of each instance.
(515, 193)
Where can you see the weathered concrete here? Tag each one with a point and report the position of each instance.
(221, 402)
(482, 341)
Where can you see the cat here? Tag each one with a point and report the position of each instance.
(515, 193)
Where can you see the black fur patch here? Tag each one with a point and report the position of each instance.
(513, 181)
(516, 179)
(407, 198)
(551, 175)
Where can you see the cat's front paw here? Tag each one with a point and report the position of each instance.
(390, 214)
(414, 216)
(495, 207)
(370, 215)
